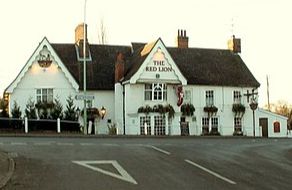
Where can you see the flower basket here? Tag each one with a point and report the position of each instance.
(187, 109)
(238, 109)
(211, 110)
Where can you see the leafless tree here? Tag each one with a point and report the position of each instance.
(102, 37)
(282, 108)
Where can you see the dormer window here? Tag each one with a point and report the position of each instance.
(156, 92)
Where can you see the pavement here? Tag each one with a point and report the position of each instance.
(6, 168)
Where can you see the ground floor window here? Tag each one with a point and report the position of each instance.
(205, 125)
(145, 120)
(44, 95)
(214, 124)
(159, 125)
(237, 124)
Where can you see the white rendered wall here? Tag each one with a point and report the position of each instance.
(223, 100)
(272, 117)
(37, 77)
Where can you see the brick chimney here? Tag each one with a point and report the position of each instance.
(79, 33)
(119, 67)
(234, 44)
(182, 39)
(79, 39)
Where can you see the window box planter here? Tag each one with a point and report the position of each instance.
(211, 110)
(238, 109)
(158, 109)
(187, 109)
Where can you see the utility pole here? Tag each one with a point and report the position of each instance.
(84, 69)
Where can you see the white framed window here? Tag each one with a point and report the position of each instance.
(44, 95)
(209, 98)
(214, 124)
(237, 124)
(156, 91)
(236, 97)
(205, 125)
(188, 96)
(143, 120)
(159, 125)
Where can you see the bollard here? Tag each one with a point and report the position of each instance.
(25, 125)
(58, 126)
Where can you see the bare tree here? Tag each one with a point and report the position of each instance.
(102, 37)
(282, 108)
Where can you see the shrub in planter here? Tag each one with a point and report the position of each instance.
(187, 109)
(238, 108)
(30, 111)
(70, 112)
(211, 109)
(112, 129)
(57, 110)
(16, 113)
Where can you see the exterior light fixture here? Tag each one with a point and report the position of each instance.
(102, 112)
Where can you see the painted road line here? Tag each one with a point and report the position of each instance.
(87, 144)
(65, 144)
(211, 172)
(42, 143)
(159, 150)
(18, 144)
(123, 174)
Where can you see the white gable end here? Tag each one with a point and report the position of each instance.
(158, 66)
(45, 60)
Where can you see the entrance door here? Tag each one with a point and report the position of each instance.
(264, 123)
(184, 127)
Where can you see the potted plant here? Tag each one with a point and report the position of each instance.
(187, 109)
(211, 110)
(238, 109)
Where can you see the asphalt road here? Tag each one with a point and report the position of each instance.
(149, 163)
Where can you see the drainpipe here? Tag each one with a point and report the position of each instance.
(124, 121)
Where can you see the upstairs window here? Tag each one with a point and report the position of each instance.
(155, 91)
(209, 98)
(188, 96)
(236, 97)
(44, 95)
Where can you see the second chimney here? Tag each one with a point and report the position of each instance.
(79, 33)
(182, 39)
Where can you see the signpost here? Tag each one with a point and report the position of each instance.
(84, 97)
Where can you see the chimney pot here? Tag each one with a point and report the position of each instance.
(182, 39)
(79, 33)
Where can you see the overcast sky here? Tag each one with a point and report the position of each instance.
(264, 26)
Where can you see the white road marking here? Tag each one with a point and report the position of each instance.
(87, 144)
(42, 143)
(123, 174)
(18, 143)
(65, 144)
(211, 172)
(159, 150)
(109, 144)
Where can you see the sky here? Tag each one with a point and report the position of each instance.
(264, 27)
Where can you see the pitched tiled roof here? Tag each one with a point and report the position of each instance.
(199, 66)
(100, 71)
(213, 67)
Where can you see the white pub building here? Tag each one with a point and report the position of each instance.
(151, 89)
